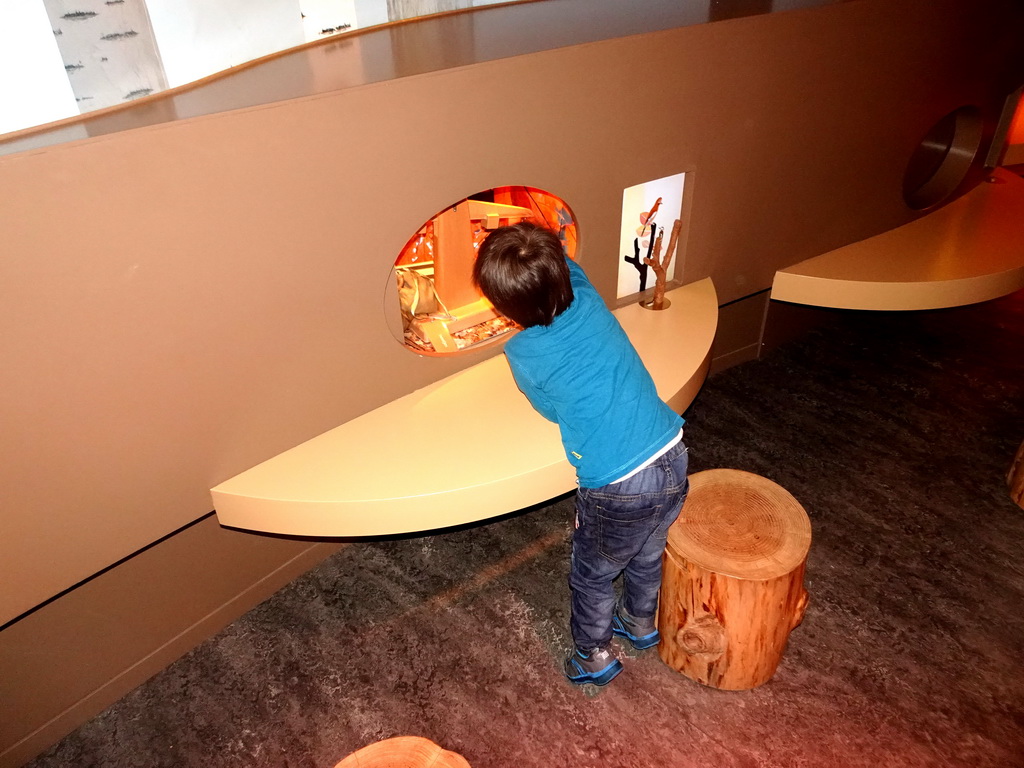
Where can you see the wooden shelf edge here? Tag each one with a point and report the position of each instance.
(964, 253)
(894, 296)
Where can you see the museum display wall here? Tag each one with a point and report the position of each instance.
(185, 299)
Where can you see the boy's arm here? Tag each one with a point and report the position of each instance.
(536, 397)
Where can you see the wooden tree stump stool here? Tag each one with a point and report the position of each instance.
(732, 587)
(1015, 477)
(403, 752)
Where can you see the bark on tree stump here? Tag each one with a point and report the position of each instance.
(732, 587)
(1015, 477)
(403, 752)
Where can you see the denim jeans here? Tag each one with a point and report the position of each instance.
(622, 529)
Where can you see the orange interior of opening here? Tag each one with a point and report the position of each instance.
(546, 209)
(443, 312)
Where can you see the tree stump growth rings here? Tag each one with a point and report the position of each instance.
(403, 752)
(732, 586)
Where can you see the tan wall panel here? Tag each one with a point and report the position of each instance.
(740, 326)
(67, 661)
(195, 297)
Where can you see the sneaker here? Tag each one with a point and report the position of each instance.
(641, 633)
(598, 667)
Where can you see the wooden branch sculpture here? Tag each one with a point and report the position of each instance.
(660, 265)
(641, 265)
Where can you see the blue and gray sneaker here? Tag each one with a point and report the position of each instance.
(641, 633)
(598, 666)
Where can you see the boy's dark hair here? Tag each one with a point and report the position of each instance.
(521, 269)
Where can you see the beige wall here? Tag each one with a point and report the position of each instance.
(70, 659)
(740, 330)
(182, 301)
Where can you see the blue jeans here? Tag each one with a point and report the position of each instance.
(622, 529)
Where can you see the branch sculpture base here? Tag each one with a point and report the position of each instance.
(665, 304)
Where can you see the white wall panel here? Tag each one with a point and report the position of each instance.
(197, 37)
(34, 88)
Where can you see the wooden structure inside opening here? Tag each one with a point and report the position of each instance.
(443, 312)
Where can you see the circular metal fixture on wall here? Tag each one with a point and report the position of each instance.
(943, 158)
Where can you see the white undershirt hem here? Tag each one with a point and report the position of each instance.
(657, 455)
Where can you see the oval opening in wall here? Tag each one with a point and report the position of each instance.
(441, 310)
(943, 158)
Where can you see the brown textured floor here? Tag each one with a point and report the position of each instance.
(895, 432)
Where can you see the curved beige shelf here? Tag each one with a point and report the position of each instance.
(968, 251)
(463, 449)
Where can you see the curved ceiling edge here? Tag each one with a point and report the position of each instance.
(387, 52)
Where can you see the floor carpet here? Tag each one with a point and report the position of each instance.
(895, 432)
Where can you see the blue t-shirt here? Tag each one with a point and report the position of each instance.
(583, 373)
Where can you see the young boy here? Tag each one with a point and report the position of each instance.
(578, 368)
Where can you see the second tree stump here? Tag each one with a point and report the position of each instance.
(732, 587)
(1015, 477)
(403, 752)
